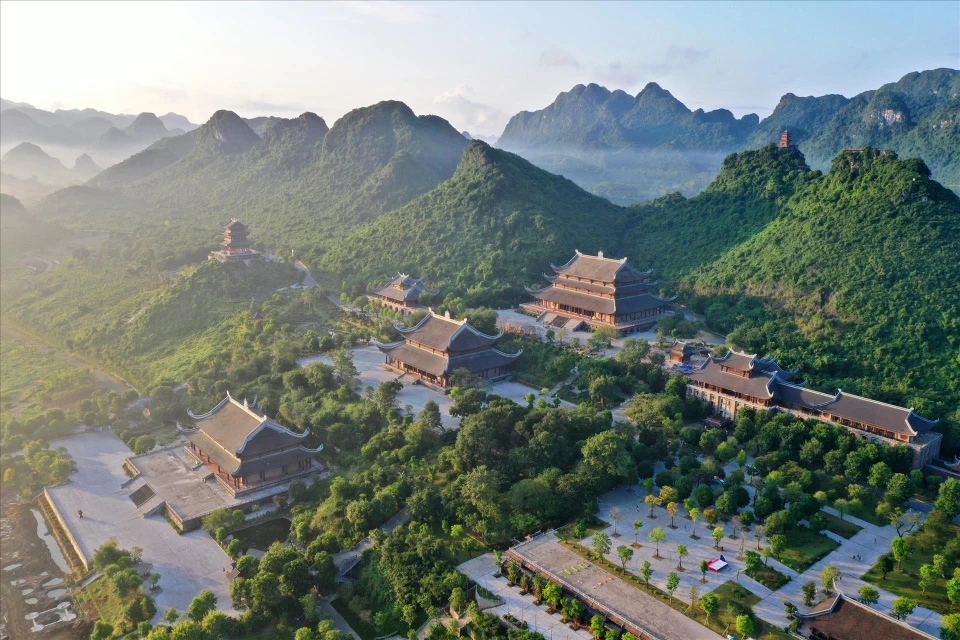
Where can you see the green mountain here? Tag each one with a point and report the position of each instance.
(20, 231)
(916, 117)
(674, 234)
(299, 185)
(855, 280)
(627, 148)
(492, 228)
(631, 149)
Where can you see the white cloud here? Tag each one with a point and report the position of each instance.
(627, 74)
(557, 57)
(464, 113)
(399, 12)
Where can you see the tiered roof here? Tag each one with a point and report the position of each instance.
(242, 440)
(403, 288)
(857, 408)
(764, 374)
(439, 345)
(235, 235)
(845, 619)
(601, 285)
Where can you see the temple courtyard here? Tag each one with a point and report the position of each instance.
(187, 563)
(414, 396)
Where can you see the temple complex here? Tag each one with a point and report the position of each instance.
(236, 244)
(402, 293)
(598, 291)
(438, 345)
(740, 380)
(244, 449)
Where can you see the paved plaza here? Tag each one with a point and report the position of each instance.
(482, 569)
(369, 362)
(187, 563)
(601, 589)
(509, 320)
(869, 544)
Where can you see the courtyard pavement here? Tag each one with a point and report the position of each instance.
(187, 563)
(509, 320)
(482, 569)
(869, 544)
(414, 396)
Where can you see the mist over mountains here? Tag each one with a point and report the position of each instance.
(636, 148)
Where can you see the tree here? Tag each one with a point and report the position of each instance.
(829, 576)
(868, 595)
(596, 626)
(950, 627)
(646, 571)
(900, 549)
(809, 591)
(343, 368)
(682, 552)
(948, 498)
(778, 544)
(752, 560)
(673, 509)
(710, 604)
(637, 524)
(885, 565)
(458, 600)
(953, 589)
(657, 536)
(758, 533)
(601, 544)
(673, 581)
(704, 567)
(929, 574)
(904, 522)
(717, 536)
(695, 515)
(879, 476)
(745, 626)
(580, 530)
(841, 506)
(626, 554)
(741, 458)
(903, 607)
(204, 603)
(652, 501)
(633, 352)
(615, 518)
(694, 596)
(102, 631)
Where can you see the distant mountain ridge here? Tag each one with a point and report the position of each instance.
(28, 172)
(635, 148)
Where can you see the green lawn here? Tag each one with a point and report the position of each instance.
(804, 547)
(733, 598)
(101, 598)
(842, 528)
(904, 582)
(566, 531)
(769, 577)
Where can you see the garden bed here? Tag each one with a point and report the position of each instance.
(769, 577)
(804, 547)
(843, 528)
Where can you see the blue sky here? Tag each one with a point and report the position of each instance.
(472, 63)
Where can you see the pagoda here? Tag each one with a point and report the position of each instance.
(402, 293)
(598, 291)
(244, 449)
(438, 345)
(236, 244)
(785, 142)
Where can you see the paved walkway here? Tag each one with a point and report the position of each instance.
(338, 620)
(869, 544)
(187, 563)
(481, 570)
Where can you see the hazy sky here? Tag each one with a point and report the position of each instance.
(475, 64)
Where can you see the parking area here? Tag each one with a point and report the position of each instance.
(187, 563)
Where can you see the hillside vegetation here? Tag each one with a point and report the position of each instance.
(492, 228)
(857, 280)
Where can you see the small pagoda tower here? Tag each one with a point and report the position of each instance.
(785, 142)
(236, 244)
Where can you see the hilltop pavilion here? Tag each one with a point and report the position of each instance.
(438, 345)
(236, 245)
(402, 293)
(598, 291)
(245, 449)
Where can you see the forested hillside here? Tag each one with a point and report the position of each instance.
(299, 186)
(855, 280)
(916, 117)
(20, 231)
(494, 227)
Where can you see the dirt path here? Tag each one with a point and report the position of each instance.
(110, 381)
